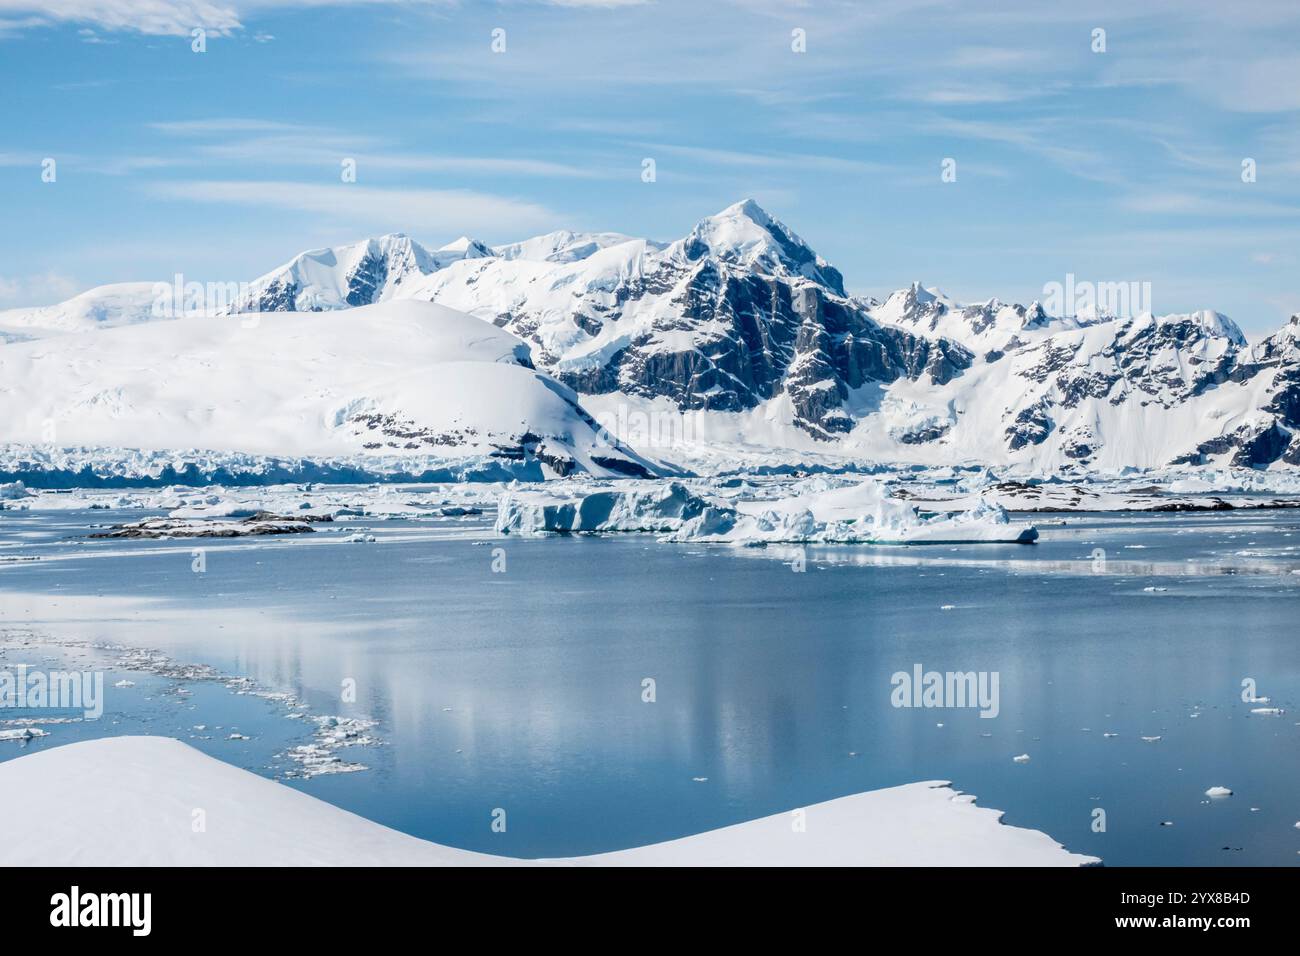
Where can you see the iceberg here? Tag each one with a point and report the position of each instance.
(817, 512)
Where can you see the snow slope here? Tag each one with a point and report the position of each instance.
(361, 273)
(140, 811)
(405, 379)
(561, 246)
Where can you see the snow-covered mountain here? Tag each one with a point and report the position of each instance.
(985, 327)
(736, 314)
(743, 326)
(106, 306)
(363, 273)
(560, 246)
(400, 387)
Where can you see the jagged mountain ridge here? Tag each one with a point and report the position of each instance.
(741, 319)
(735, 314)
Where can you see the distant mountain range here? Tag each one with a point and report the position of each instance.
(741, 322)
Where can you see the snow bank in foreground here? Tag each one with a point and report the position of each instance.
(130, 801)
(861, 513)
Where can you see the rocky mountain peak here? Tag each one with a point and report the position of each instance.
(746, 236)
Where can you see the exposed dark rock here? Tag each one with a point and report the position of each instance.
(1031, 426)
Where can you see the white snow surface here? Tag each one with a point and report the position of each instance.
(405, 379)
(320, 278)
(105, 306)
(129, 801)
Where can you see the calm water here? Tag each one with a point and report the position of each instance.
(522, 690)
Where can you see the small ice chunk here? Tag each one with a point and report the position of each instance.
(23, 733)
(1218, 792)
(1022, 758)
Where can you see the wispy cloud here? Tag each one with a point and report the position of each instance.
(367, 209)
(294, 144)
(150, 17)
(764, 160)
(223, 125)
(1200, 204)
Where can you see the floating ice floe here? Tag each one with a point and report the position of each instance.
(861, 513)
(333, 733)
(1218, 792)
(259, 523)
(23, 733)
(1022, 758)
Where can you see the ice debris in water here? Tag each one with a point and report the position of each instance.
(1218, 792)
(333, 733)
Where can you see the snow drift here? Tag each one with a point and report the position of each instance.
(129, 801)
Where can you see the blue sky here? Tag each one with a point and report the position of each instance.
(1124, 165)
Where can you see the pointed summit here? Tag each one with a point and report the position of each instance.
(465, 248)
(744, 234)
